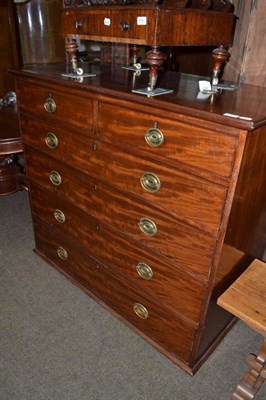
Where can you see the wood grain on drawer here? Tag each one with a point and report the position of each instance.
(173, 238)
(71, 110)
(181, 194)
(76, 187)
(173, 286)
(107, 24)
(180, 142)
(181, 243)
(165, 328)
(70, 148)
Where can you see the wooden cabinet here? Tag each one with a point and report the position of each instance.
(131, 197)
(149, 25)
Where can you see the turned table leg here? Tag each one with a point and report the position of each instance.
(254, 378)
(11, 178)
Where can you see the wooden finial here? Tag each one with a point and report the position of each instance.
(71, 48)
(220, 58)
(154, 60)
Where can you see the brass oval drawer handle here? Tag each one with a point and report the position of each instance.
(144, 270)
(62, 253)
(59, 216)
(141, 311)
(50, 104)
(55, 178)
(150, 182)
(147, 226)
(154, 137)
(51, 140)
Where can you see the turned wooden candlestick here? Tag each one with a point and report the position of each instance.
(72, 54)
(134, 51)
(220, 58)
(154, 60)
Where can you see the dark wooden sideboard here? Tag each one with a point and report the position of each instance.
(152, 206)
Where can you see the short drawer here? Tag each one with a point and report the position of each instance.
(56, 106)
(60, 179)
(151, 318)
(71, 148)
(109, 23)
(168, 140)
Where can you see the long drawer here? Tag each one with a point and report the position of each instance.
(156, 275)
(151, 318)
(187, 248)
(185, 196)
(182, 195)
(162, 234)
(168, 140)
(72, 111)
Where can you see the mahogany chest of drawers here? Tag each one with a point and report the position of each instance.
(150, 205)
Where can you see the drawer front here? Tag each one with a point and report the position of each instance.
(70, 148)
(172, 239)
(159, 324)
(167, 282)
(162, 234)
(168, 140)
(160, 278)
(76, 187)
(68, 109)
(121, 24)
(182, 195)
(179, 242)
(82, 23)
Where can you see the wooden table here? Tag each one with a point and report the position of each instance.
(246, 299)
(11, 176)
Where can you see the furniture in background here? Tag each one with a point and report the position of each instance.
(246, 299)
(23, 42)
(11, 177)
(38, 27)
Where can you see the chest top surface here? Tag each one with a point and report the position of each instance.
(245, 105)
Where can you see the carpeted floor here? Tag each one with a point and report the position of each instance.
(58, 344)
